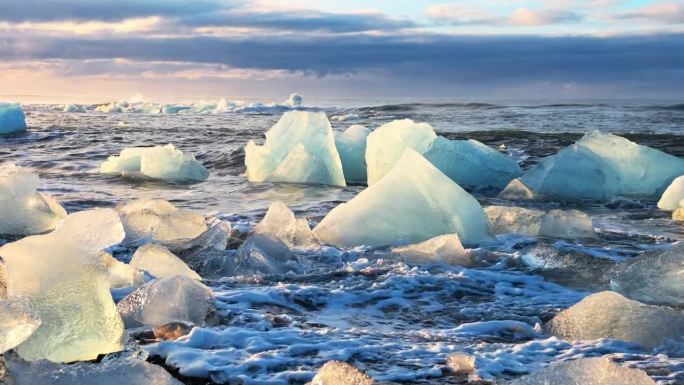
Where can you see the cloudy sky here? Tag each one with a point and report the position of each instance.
(489, 49)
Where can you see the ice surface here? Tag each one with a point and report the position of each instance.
(654, 277)
(262, 254)
(300, 148)
(516, 189)
(64, 280)
(24, 210)
(12, 118)
(280, 223)
(158, 302)
(673, 195)
(444, 248)
(586, 371)
(159, 162)
(75, 108)
(600, 166)
(566, 224)
(610, 315)
(156, 219)
(17, 323)
(341, 373)
(121, 275)
(412, 203)
(160, 262)
(514, 220)
(124, 371)
(385, 145)
(351, 145)
(471, 163)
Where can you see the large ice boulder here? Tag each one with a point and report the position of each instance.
(586, 371)
(386, 145)
(17, 323)
(653, 277)
(24, 210)
(600, 166)
(610, 315)
(444, 248)
(300, 148)
(351, 144)
(412, 203)
(12, 118)
(62, 277)
(158, 220)
(160, 262)
(161, 301)
(280, 223)
(673, 195)
(471, 163)
(160, 162)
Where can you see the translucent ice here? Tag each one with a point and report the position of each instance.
(160, 162)
(280, 223)
(444, 248)
(158, 302)
(300, 148)
(12, 118)
(471, 163)
(351, 144)
(600, 166)
(121, 275)
(341, 373)
(514, 220)
(566, 224)
(385, 145)
(516, 189)
(24, 210)
(672, 195)
(261, 254)
(17, 323)
(610, 315)
(160, 262)
(412, 203)
(159, 220)
(586, 371)
(64, 280)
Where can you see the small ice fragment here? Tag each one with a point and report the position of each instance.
(17, 323)
(670, 200)
(566, 224)
(585, 371)
(12, 118)
(161, 162)
(158, 302)
(262, 254)
(341, 373)
(514, 220)
(160, 262)
(351, 145)
(678, 215)
(344, 118)
(412, 203)
(444, 248)
(461, 363)
(610, 315)
(24, 210)
(516, 189)
(121, 275)
(280, 223)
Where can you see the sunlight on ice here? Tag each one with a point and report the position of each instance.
(160, 262)
(280, 223)
(444, 248)
(17, 323)
(673, 195)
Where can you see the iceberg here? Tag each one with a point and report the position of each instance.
(610, 315)
(386, 145)
(161, 301)
(412, 203)
(160, 162)
(24, 210)
(341, 373)
(280, 223)
(300, 148)
(600, 166)
(444, 248)
(673, 195)
(17, 323)
(158, 220)
(75, 108)
(586, 371)
(160, 262)
(62, 277)
(351, 145)
(471, 163)
(12, 118)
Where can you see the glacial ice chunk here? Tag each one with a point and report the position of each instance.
(12, 118)
(24, 210)
(516, 189)
(386, 145)
(610, 315)
(600, 166)
(159, 162)
(160, 262)
(412, 203)
(75, 108)
(444, 248)
(262, 254)
(121, 275)
(341, 373)
(673, 195)
(514, 220)
(156, 219)
(586, 371)
(351, 144)
(461, 363)
(471, 163)
(17, 323)
(300, 148)
(566, 224)
(161, 301)
(64, 280)
(678, 215)
(280, 223)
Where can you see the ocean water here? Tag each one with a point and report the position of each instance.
(361, 305)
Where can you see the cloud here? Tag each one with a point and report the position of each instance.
(459, 14)
(532, 18)
(665, 13)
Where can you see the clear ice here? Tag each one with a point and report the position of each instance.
(160, 162)
(280, 223)
(444, 248)
(160, 262)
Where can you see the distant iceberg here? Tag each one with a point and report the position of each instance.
(12, 118)
(160, 162)
(75, 108)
